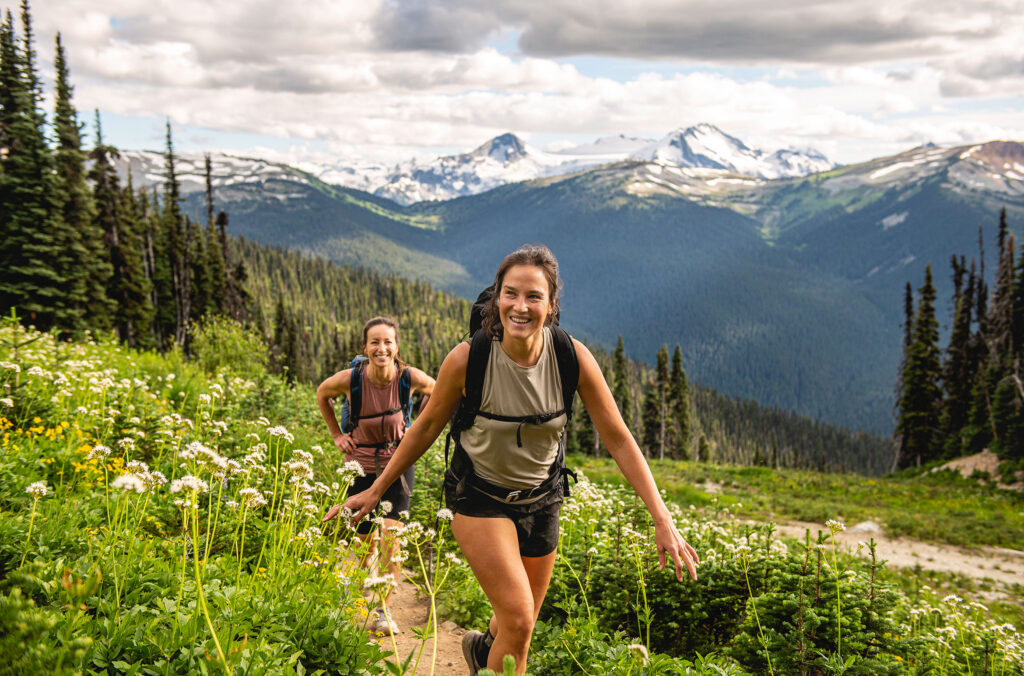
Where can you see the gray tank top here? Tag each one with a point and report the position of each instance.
(514, 390)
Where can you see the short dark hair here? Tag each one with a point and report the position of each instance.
(536, 255)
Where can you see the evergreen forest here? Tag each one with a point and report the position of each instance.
(968, 396)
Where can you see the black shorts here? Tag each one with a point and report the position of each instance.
(399, 494)
(536, 523)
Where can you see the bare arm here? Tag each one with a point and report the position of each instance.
(421, 382)
(624, 450)
(446, 393)
(329, 390)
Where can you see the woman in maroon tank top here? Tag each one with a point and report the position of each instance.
(372, 442)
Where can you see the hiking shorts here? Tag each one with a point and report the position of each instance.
(399, 494)
(536, 523)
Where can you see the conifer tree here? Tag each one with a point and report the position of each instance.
(960, 369)
(33, 233)
(680, 406)
(85, 259)
(662, 383)
(921, 397)
(173, 274)
(652, 419)
(703, 449)
(1018, 309)
(620, 388)
(117, 219)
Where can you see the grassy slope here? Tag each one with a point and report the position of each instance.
(941, 507)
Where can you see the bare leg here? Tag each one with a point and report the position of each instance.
(515, 585)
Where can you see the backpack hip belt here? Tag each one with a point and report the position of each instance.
(523, 496)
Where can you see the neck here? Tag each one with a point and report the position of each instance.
(380, 376)
(524, 351)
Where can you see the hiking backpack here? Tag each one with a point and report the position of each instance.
(351, 409)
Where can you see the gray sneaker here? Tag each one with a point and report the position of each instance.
(469, 642)
(382, 623)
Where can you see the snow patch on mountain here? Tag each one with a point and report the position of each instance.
(707, 146)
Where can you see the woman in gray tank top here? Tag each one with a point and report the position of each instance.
(511, 548)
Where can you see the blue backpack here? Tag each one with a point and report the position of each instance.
(350, 421)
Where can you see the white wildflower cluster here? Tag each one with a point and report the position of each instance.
(7, 402)
(350, 470)
(445, 514)
(835, 526)
(98, 451)
(130, 482)
(189, 484)
(252, 498)
(380, 584)
(310, 535)
(9, 366)
(37, 489)
(126, 444)
(299, 470)
(280, 431)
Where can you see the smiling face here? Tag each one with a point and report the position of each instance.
(381, 345)
(524, 301)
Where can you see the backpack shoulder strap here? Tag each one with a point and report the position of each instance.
(355, 396)
(568, 367)
(476, 368)
(404, 392)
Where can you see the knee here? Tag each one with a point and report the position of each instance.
(518, 624)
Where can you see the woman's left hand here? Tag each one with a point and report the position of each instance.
(670, 542)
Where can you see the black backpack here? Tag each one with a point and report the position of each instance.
(469, 407)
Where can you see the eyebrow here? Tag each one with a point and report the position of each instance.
(509, 287)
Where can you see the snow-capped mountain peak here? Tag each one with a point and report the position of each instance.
(505, 148)
(706, 146)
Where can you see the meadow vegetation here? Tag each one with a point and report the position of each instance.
(161, 516)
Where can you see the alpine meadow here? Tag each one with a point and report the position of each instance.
(821, 364)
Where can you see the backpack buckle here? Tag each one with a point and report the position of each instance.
(512, 497)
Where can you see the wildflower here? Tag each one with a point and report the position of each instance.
(130, 482)
(639, 653)
(835, 526)
(8, 402)
(386, 506)
(189, 483)
(154, 479)
(280, 431)
(252, 498)
(300, 469)
(445, 514)
(137, 467)
(350, 470)
(9, 366)
(126, 444)
(98, 451)
(381, 584)
(302, 455)
(452, 558)
(37, 489)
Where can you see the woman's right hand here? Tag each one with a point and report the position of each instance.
(344, 443)
(361, 504)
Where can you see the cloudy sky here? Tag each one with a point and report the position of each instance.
(386, 79)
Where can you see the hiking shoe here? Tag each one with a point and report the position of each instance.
(382, 623)
(469, 643)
